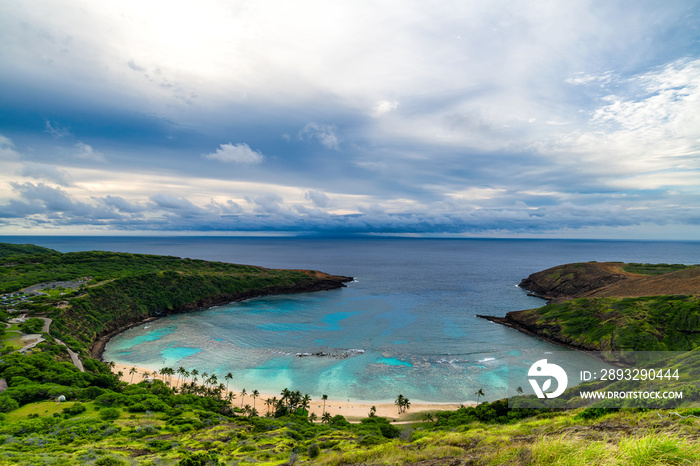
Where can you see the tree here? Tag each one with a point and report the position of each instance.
(372, 411)
(243, 394)
(306, 402)
(132, 371)
(479, 394)
(255, 394)
(228, 378)
(312, 417)
(519, 390)
(324, 398)
(399, 402)
(326, 418)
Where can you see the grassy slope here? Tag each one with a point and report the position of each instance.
(122, 288)
(7, 249)
(617, 307)
(39, 433)
(566, 438)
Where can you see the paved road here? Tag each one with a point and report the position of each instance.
(73, 355)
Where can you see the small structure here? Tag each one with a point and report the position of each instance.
(60, 398)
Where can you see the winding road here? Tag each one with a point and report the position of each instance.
(45, 329)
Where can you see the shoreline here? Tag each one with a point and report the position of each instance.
(352, 410)
(508, 322)
(327, 283)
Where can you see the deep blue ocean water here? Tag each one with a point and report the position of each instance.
(405, 325)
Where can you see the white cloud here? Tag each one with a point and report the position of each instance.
(7, 149)
(385, 106)
(236, 153)
(55, 130)
(649, 127)
(43, 171)
(86, 152)
(318, 198)
(324, 133)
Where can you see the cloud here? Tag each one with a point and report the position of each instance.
(55, 130)
(7, 149)
(318, 198)
(236, 153)
(648, 129)
(324, 133)
(385, 106)
(86, 152)
(46, 172)
(131, 64)
(179, 205)
(121, 204)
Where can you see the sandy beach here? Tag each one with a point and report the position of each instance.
(352, 410)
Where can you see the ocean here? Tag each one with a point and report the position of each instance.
(406, 324)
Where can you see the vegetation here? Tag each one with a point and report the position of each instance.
(108, 290)
(652, 323)
(653, 269)
(52, 413)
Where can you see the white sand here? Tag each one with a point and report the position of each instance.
(352, 410)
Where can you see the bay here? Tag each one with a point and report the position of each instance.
(405, 325)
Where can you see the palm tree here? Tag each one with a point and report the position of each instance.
(255, 394)
(169, 372)
(194, 373)
(285, 396)
(399, 402)
(180, 373)
(428, 417)
(519, 390)
(132, 371)
(326, 417)
(228, 378)
(312, 417)
(268, 403)
(479, 394)
(372, 411)
(243, 394)
(324, 398)
(306, 402)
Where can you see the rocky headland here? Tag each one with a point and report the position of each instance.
(600, 306)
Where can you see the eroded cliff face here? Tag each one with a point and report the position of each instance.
(608, 279)
(571, 281)
(658, 309)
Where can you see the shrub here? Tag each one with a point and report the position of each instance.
(110, 414)
(314, 450)
(74, 410)
(7, 404)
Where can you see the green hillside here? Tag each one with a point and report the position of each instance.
(104, 421)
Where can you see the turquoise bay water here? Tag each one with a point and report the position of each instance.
(405, 325)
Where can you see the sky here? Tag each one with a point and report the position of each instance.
(558, 119)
